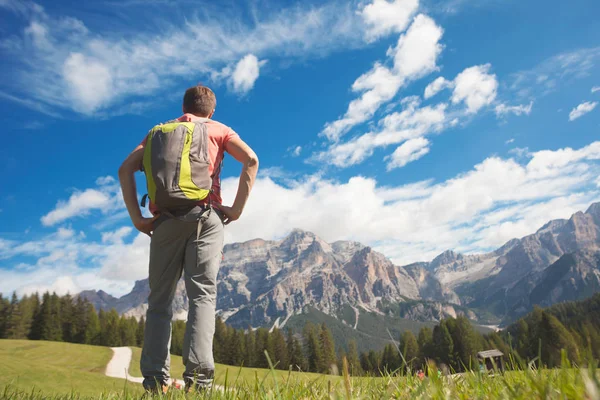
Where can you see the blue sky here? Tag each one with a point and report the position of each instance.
(412, 126)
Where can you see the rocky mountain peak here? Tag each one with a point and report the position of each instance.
(447, 257)
(262, 282)
(552, 227)
(298, 241)
(594, 211)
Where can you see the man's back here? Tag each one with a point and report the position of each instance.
(219, 135)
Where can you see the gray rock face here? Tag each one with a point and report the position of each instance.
(262, 283)
(265, 282)
(502, 281)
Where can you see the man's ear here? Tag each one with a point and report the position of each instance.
(211, 114)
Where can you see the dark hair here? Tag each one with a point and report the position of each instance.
(199, 100)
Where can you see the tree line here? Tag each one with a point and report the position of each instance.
(453, 343)
(65, 319)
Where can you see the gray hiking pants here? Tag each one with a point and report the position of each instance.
(196, 249)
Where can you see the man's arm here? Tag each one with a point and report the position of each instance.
(244, 154)
(126, 177)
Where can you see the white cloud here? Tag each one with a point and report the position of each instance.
(509, 141)
(556, 71)
(106, 198)
(582, 109)
(520, 152)
(69, 263)
(378, 86)
(105, 180)
(79, 204)
(296, 151)
(437, 86)
(595, 89)
(522, 109)
(246, 72)
(414, 56)
(476, 87)
(417, 51)
(383, 17)
(89, 82)
(478, 210)
(395, 128)
(117, 236)
(409, 151)
(417, 226)
(58, 63)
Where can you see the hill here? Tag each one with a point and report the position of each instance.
(58, 368)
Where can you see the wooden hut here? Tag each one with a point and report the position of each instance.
(491, 360)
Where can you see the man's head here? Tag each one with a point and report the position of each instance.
(200, 101)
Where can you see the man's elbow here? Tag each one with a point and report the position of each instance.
(124, 170)
(252, 161)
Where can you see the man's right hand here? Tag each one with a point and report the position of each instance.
(145, 225)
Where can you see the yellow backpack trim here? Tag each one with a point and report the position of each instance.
(187, 186)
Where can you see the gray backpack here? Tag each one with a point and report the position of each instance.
(176, 164)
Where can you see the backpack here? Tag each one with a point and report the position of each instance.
(176, 164)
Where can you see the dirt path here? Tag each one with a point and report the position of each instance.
(118, 366)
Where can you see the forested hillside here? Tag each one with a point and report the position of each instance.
(453, 343)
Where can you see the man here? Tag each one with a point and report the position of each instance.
(189, 241)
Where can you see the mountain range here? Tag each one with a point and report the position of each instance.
(273, 283)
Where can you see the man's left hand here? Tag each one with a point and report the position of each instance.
(230, 213)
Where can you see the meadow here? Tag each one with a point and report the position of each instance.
(39, 370)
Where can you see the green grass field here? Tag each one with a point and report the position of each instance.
(229, 375)
(38, 370)
(57, 368)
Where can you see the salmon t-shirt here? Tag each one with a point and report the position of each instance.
(218, 136)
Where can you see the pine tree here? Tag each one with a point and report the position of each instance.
(294, 348)
(555, 337)
(443, 347)
(50, 322)
(28, 308)
(92, 328)
(521, 336)
(466, 344)
(127, 330)
(341, 355)
(375, 362)
(365, 364)
(262, 345)
(110, 334)
(80, 320)
(178, 332)
(35, 333)
(4, 312)
(139, 334)
(327, 350)
(313, 348)
(390, 359)
(534, 322)
(237, 348)
(250, 354)
(220, 341)
(410, 349)
(67, 314)
(353, 360)
(280, 351)
(425, 342)
(14, 326)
